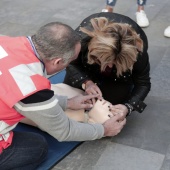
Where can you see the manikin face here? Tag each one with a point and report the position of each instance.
(57, 64)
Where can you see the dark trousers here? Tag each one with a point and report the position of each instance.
(26, 152)
(113, 2)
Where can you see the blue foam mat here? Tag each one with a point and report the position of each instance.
(57, 150)
(58, 78)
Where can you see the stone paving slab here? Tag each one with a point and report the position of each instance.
(166, 163)
(155, 56)
(85, 156)
(161, 78)
(149, 130)
(119, 157)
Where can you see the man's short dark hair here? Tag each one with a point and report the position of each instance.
(56, 39)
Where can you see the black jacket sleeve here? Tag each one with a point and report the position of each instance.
(141, 81)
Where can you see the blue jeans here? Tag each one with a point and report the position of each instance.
(27, 151)
(113, 2)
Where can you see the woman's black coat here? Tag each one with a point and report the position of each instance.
(79, 70)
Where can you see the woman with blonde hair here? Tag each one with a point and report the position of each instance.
(113, 61)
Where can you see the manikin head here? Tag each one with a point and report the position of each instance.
(112, 44)
(57, 45)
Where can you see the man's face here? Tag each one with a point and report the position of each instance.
(57, 64)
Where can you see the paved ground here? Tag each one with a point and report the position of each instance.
(144, 144)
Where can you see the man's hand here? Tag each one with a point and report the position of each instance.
(114, 125)
(81, 102)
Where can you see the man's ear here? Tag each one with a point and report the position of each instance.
(57, 61)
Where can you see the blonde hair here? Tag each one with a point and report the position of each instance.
(112, 42)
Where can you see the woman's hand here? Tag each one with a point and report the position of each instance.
(119, 109)
(92, 88)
